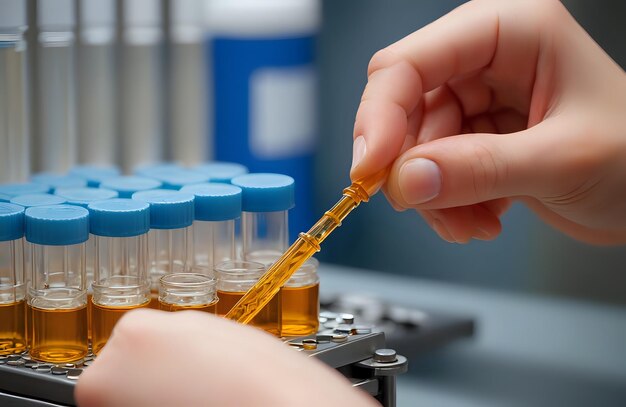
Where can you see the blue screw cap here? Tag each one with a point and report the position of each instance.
(94, 174)
(154, 170)
(30, 200)
(57, 225)
(179, 178)
(127, 185)
(58, 181)
(215, 201)
(119, 218)
(10, 191)
(265, 192)
(11, 221)
(168, 209)
(221, 171)
(84, 196)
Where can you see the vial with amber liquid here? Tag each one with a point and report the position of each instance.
(121, 282)
(57, 293)
(236, 277)
(12, 287)
(170, 236)
(187, 291)
(300, 301)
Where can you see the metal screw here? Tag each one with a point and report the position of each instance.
(346, 318)
(339, 338)
(385, 356)
(73, 374)
(309, 344)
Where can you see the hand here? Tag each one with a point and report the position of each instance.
(498, 100)
(195, 359)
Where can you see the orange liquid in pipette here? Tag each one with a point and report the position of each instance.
(303, 248)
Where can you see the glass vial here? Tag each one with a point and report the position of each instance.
(57, 294)
(187, 291)
(12, 287)
(121, 283)
(301, 302)
(266, 199)
(14, 132)
(170, 235)
(217, 207)
(236, 277)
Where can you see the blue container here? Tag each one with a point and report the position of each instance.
(265, 84)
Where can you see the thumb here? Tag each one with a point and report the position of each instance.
(471, 168)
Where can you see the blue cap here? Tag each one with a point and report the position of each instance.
(179, 178)
(216, 202)
(31, 200)
(221, 171)
(266, 192)
(119, 218)
(84, 196)
(10, 191)
(58, 181)
(168, 209)
(11, 221)
(94, 174)
(57, 225)
(127, 185)
(154, 170)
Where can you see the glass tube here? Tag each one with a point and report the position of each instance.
(187, 291)
(14, 132)
(12, 287)
(56, 143)
(300, 301)
(97, 124)
(57, 295)
(121, 279)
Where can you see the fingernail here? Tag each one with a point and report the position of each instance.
(420, 180)
(481, 234)
(358, 151)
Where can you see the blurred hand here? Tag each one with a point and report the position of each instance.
(498, 100)
(191, 359)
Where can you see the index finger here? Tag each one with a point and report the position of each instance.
(458, 43)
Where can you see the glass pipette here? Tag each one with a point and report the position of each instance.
(303, 248)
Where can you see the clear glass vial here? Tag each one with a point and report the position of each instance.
(187, 291)
(236, 277)
(170, 235)
(301, 302)
(266, 200)
(217, 207)
(121, 283)
(57, 294)
(12, 287)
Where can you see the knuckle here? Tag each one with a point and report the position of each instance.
(487, 172)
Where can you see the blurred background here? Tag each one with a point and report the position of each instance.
(274, 87)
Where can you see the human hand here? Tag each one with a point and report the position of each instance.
(498, 100)
(195, 359)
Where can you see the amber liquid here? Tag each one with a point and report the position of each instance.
(301, 308)
(103, 321)
(12, 327)
(58, 335)
(89, 311)
(154, 301)
(268, 319)
(210, 308)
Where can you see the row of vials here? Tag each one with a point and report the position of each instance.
(74, 259)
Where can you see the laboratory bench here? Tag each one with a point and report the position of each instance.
(525, 349)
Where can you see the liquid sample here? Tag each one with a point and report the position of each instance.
(58, 335)
(104, 319)
(89, 311)
(210, 308)
(12, 327)
(154, 301)
(268, 318)
(301, 308)
(303, 248)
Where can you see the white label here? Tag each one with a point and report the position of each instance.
(283, 112)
